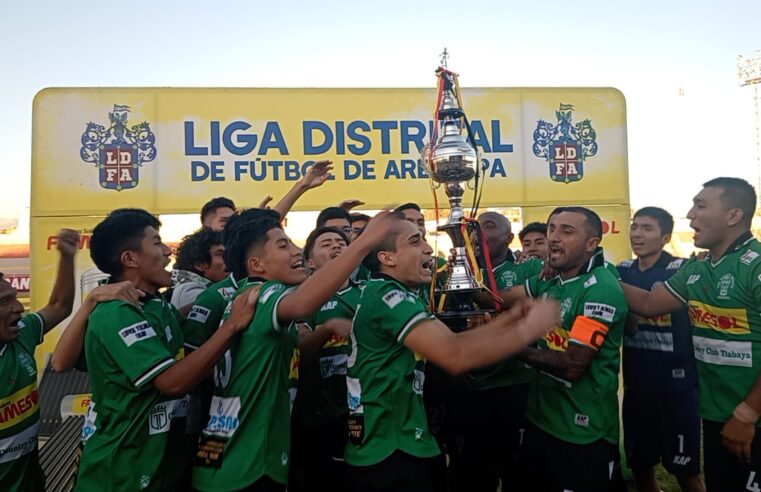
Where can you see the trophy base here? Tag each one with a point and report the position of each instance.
(458, 321)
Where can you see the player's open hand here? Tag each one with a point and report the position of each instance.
(540, 317)
(317, 174)
(243, 308)
(123, 291)
(378, 228)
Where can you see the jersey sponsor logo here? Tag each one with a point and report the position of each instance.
(658, 341)
(199, 314)
(678, 374)
(134, 333)
(675, 264)
(663, 321)
(557, 339)
(329, 306)
(723, 320)
(726, 282)
(336, 341)
(606, 312)
(18, 445)
(682, 460)
(354, 395)
(333, 365)
(692, 279)
(565, 145)
(626, 263)
(393, 298)
(118, 151)
(748, 257)
(19, 406)
(418, 382)
(581, 420)
(162, 414)
(723, 352)
(223, 416)
(590, 282)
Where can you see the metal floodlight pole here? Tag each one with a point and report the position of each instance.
(749, 73)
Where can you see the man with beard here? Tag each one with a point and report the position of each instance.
(571, 441)
(722, 292)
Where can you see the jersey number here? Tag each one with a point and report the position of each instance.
(222, 374)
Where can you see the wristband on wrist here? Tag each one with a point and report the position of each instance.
(745, 413)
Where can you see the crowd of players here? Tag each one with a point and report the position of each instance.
(256, 365)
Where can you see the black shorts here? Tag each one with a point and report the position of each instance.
(662, 428)
(488, 427)
(723, 470)
(555, 465)
(400, 472)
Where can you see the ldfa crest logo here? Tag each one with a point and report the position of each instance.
(118, 151)
(565, 145)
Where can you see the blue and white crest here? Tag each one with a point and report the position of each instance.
(565, 145)
(118, 151)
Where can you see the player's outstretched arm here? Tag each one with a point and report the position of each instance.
(323, 283)
(185, 374)
(71, 342)
(649, 303)
(499, 338)
(316, 176)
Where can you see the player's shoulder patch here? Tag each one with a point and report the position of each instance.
(592, 280)
(675, 264)
(393, 298)
(199, 313)
(226, 293)
(749, 257)
(626, 264)
(136, 332)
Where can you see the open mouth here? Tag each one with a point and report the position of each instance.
(14, 322)
(298, 265)
(335, 254)
(428, 265)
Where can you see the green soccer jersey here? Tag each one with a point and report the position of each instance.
(324, 398)
(586, 410)
(385, 378)
(510, 371)
(206, 314)
(128, 428)
(19, 409)
(248, 434)
(723, 301)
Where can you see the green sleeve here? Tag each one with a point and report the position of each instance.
(677, 284)
(271, 295)
(31, 331)
(532, 286)
(397, 312)
(131, 341)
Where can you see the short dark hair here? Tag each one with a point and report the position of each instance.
(593, 223)
(357, 217)
(371, 261)
(332, 213)
(409, 206)
(215, 203)
(737, 193)
(249, 231)
(539, 227)
(309, 245)
(196, 248)
(664, 219)
(121, 231)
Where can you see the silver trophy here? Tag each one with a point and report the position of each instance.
(452, 161)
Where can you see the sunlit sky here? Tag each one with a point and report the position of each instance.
(649, 50)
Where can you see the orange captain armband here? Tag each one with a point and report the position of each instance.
(588, 332)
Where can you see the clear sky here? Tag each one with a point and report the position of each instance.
(649, 50)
